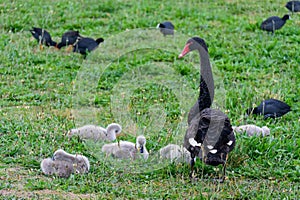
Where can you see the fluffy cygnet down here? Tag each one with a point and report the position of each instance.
(80, 163)
(58, 168)
(125, 149)
(175, 153)
(252, 130)
(97, 132)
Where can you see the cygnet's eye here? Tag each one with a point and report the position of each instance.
(116, 131)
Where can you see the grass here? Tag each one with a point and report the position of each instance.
(135, 79)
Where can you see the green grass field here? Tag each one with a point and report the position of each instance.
(135, 78)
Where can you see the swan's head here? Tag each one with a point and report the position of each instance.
(113, 131)
(140, 143)
(83, 163)
(72, 132)
(234, 128)
(193, 44)
(58, 154)
(265, 131)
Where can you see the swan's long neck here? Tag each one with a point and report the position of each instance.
(206, 95)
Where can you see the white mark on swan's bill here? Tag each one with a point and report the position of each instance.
(229, 143)
(210, 147)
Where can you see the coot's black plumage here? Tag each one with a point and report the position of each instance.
(86, 45)
(42, 36)
(166, 28)
(293, 6)
(69, 38)
(274, 23)
(272, 108)
(210, 135)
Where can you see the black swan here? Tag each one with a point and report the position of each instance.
(210, 135)
(272, 108)
(86, 45)
(69, 38)
(274, 23)
(43, 37)
(166, 28)
(97, 133)
(293, 6)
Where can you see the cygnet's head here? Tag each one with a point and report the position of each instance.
(113, 130)
(141, 143)
(83, 164)
(72, 132)
(265, 131)
(62, 155)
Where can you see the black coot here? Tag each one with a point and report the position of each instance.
(69, 38)
(166, 28)
(272, 108)
(274, 23)
(86, 45)
(42, 36)
(293, 6)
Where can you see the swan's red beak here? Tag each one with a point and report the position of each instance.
(185, 50)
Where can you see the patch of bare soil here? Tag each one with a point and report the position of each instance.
(44, 194)
(16, 176)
